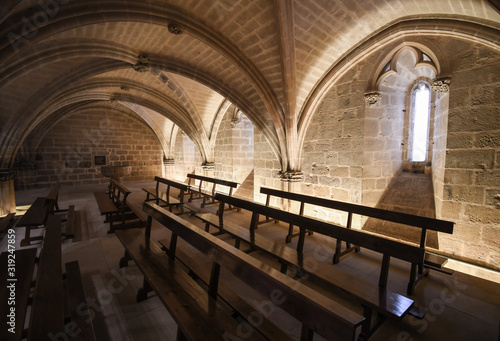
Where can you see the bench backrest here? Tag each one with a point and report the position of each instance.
(118, 193)
(230, 184)
(407, 252)
(316, 312)
(396, 217)
(54, 191)
(176, 184)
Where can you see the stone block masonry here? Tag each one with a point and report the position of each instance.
(70, 152)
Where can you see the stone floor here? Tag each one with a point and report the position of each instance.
(464, 306)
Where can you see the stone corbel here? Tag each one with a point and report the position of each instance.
(174, 29)
(441, 85)
(291, 176)
(142, 65)
(208, 165)
(235, 123)
(372, 97)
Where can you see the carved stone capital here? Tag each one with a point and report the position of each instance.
(372, 97)
(168, 162)
(291, 176)
(142, 65)
(7, 174)
(208, 165)
(441, 85)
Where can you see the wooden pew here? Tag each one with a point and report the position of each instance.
(4, 221)
(201, 191)
(423, 223)
(36, 215)
(80, 319)
(53, 196)
(22, 271)
(316, 312)
(199, 271)
(379, 299)
(163, 198)
(49, 292)
(113, 205)
(389, 248)
(49, 286)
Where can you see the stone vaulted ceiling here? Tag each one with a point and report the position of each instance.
(179, 64)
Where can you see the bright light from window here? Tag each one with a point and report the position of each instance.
(420, 123)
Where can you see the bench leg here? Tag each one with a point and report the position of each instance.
(142, 293)
(411, 283)
(336, 256)
(307, 333)
(290, 234)
(371, 324)
(384, 271)
(124, 260)
(302, 240)
(111, 227)
(26, 241)
(283, 268)
(180, 335)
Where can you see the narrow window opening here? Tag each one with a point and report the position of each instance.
(420, 123)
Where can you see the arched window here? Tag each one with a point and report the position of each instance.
(419, 122)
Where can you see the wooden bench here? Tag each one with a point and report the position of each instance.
(4, 221)
(317, 313)
(34, 217)
(113, 205)
(387, 247)
(22, 266)
(373, 298)
(53, 196)
(208, 192)
(198, 270)
(163, 198)
(37, 213)
(49, 294)
(423, 223)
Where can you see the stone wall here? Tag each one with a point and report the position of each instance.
(266, 168)
(471, 194)
(67, 152)
(184, 158)
(353, 152)
(234, 150)
(333, 148)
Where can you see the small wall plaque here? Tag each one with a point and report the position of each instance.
(100, 160)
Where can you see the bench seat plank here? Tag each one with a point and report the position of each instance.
(136, 207)
(106, 205)
(79, 313)
(49, 285)
(197, 315)
(389, 304)
(435, 261)
(36, 215)
(25, 264)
